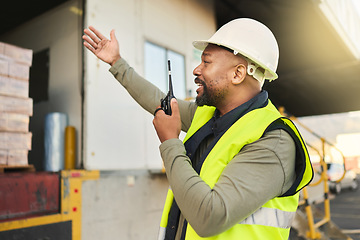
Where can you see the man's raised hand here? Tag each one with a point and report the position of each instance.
(105, 49)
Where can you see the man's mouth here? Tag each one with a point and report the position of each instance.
(200, 84)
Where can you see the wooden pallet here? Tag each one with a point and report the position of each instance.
(17, 168)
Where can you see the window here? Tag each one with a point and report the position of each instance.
(156, 69)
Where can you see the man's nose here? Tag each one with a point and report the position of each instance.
(197, 71)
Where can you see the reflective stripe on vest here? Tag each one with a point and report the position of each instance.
(161, 235)
(273, 220)
(270, 217)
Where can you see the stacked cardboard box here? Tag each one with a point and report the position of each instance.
(15, 105)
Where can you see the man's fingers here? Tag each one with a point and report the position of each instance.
(168, 127)
(93, 37)
(174, 107)
(88, 46)
(157, 109)
(97, 33)
(89, 41)
(112, 35)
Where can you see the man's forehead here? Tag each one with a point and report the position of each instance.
(212, 49)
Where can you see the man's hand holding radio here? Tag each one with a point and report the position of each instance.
(168, 126)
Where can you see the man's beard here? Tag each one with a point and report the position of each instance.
(204, 99)
(208, 97)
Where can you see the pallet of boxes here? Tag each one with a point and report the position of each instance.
(15, 108)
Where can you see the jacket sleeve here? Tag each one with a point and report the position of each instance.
(261, 171)
(146, 94)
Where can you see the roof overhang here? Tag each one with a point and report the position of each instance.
(317, 72)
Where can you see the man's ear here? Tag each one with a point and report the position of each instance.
(239, 74)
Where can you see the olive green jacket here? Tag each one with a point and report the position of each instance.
(261, 171)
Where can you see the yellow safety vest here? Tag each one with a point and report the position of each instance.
(273, 219)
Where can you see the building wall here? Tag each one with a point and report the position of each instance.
(119, 134)
(123, 205)
(127, 201)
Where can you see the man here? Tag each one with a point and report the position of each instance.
(238, 173)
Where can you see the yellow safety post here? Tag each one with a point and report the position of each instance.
(326, 188)
(70, 147)
(326, 218)
(71, 192)
(313, 234)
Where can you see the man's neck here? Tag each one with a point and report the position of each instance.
(236, 101)
(255, 102)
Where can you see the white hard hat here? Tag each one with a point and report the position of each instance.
(251, 39)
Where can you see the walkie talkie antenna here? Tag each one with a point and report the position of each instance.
(171, 93)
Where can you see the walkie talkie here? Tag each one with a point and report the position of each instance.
(165, 102)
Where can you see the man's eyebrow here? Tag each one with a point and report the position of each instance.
(205, 54)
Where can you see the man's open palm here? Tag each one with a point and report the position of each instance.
(105, 49)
